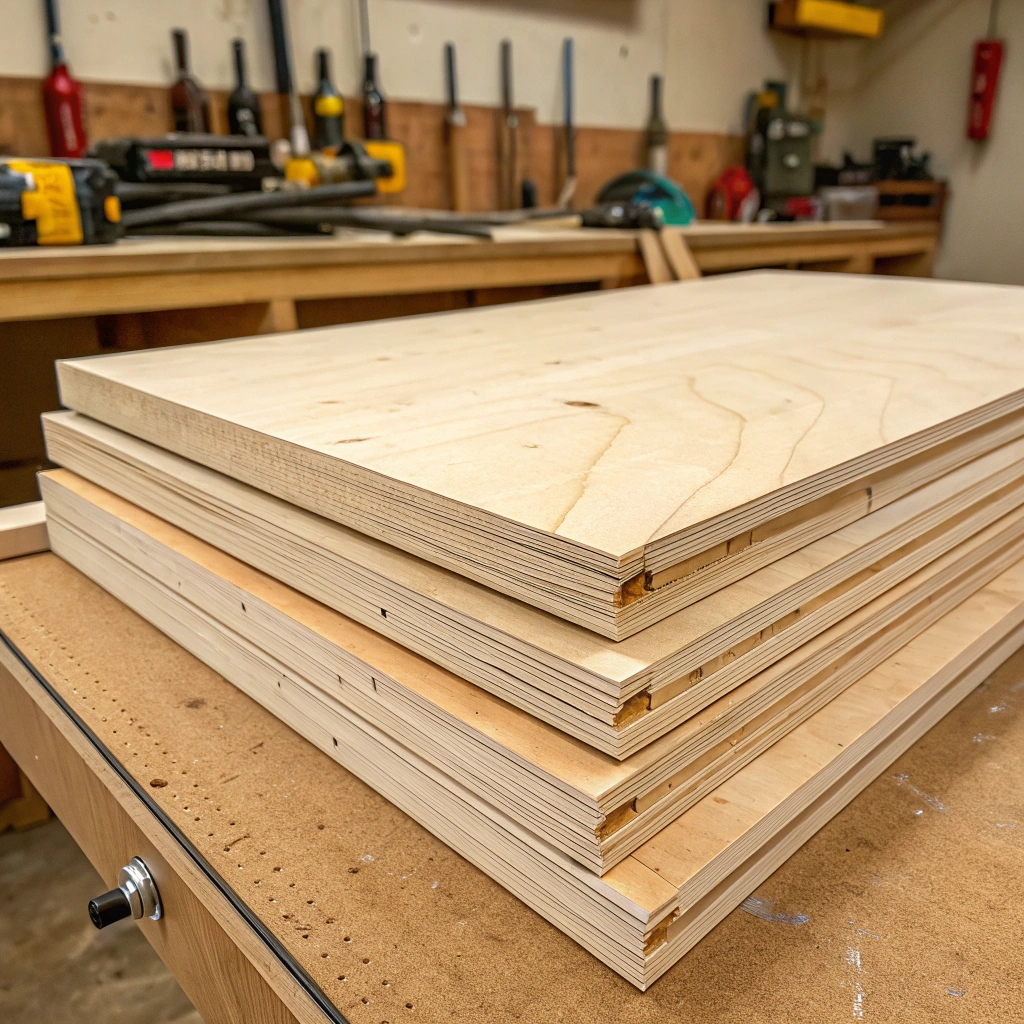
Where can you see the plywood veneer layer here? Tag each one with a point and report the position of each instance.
(644, 914)
(586, 805)
(617, 697)
(574, 452)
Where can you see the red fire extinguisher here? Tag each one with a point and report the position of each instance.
(62, 97)
(988, 58)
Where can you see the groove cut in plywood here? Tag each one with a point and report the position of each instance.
(586, 805)
(617, 697)
(571, 452)
(645, 913)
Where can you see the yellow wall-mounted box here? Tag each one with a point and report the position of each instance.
(827, 17)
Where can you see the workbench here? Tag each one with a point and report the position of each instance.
(292, 892)
(138, 275)
(64, 302)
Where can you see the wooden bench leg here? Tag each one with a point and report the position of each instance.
(280, 316)
(21, 806)
(653, 255)
(677, 253)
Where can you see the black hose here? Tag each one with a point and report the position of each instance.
(245, 202)
(374, 220)
(227, 229)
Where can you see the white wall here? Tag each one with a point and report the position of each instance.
(711, 51)
(915, 81)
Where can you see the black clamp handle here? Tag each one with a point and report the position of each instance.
(136, 896)
(110, 907)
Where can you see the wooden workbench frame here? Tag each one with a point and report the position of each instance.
(225, 959)
(140, 276)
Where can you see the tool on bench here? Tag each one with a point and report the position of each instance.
(622, 214)
(58, 202)
(508, 136)
(645, 188)
(298, 134)
(394, 222)
(352, 163)
(455, 132)
(778, 149)
(234, 160)
(189, 101)
(63, 97)
(328, 110)
(244, 114)
(135, 194)
(235, 205)
(225, 229)
(565, 197)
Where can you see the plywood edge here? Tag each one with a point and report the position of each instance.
(23, 530)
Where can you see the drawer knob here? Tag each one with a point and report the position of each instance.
(136, 896)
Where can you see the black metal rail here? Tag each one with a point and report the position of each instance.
(304, 981)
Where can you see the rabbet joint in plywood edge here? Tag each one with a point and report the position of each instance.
(829, 19)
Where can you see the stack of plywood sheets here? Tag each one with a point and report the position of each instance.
(622, 596)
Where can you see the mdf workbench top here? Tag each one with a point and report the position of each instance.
(147, 255)
(140, 255)
(873, 915)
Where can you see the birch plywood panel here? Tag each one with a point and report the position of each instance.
(645, 913)
(585, 804)
(576, 452)
(615, 696)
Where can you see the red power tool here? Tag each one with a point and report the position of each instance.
(62, 97)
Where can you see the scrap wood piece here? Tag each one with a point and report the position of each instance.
(678, 254)
(23, 530)
(653, 255)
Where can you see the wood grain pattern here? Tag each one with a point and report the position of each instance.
(653, 906)
(568, 676)
(578, 444)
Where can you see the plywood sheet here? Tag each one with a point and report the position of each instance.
(22, 530)
(561, 449)
(654, 906)
(618, 697)
(880, 881)
(589, 806)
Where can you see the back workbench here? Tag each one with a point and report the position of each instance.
(63, 302)
(143, 275)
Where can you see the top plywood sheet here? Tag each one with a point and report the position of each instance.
(586, 455)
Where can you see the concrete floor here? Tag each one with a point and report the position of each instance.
(55, 967)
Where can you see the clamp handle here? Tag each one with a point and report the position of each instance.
(136, 896)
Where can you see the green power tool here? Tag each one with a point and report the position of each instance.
(650, 189)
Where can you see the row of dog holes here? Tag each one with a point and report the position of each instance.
(160, 784)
